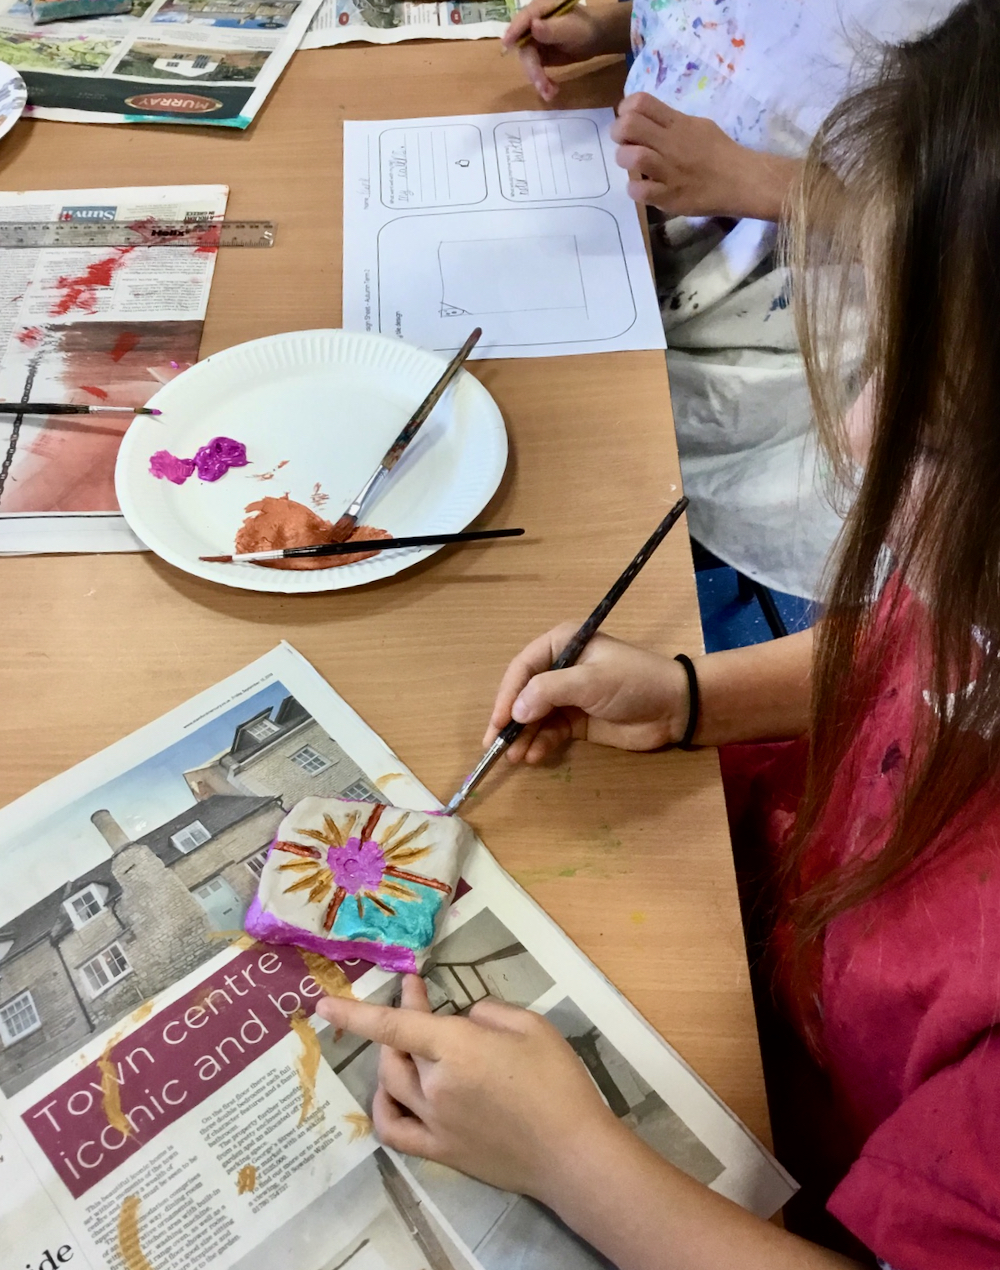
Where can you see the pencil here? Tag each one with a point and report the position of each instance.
(565, 6)
(571, 653)
(363, 544)
(62, 408)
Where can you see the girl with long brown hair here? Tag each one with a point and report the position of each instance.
(880, 811)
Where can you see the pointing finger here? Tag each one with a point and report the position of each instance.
(410, 1031)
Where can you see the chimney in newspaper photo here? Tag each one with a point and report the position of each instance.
(109, 829)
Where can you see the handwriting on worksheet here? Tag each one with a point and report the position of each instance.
(517, 223)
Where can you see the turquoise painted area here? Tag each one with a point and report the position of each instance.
(412, 926)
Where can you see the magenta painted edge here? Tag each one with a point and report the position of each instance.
(272, 930)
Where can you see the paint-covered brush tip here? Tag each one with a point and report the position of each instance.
(217, 559)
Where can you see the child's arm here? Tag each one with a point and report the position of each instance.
(637, 700)
(501, 1095)
(687, 166)
(576, 37)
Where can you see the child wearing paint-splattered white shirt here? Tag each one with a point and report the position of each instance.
(721, 102)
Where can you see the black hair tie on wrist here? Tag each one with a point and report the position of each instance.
(694, 708)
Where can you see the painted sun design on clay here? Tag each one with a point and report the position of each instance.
(354, 864)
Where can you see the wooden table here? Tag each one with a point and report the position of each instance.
(629, 853)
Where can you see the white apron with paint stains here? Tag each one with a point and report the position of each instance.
(766, 71)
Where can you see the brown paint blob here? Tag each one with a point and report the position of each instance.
(327, 974)
(277, 523)
(129, 1248)
(307, 1062)
(246, 1179)
(360, 1125)
(110, 1091)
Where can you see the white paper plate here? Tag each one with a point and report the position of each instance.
(13, 98)
(330, 403)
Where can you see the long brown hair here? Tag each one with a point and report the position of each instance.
(904, 179)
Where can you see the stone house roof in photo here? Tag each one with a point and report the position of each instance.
(288, 716)
(216, 813)
(47, 919)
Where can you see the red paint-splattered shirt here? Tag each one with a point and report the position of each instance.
(910, 996)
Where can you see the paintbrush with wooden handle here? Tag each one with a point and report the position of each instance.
(344, 527)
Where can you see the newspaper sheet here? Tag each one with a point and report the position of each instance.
(155, 1106)
(391, 21)
(92, 326)
(168, 61)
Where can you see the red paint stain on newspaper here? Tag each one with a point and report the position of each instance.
(81, 292)
(99, 393)
(124, 344)
(30, 335)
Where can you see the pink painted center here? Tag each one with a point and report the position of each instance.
(357, 865)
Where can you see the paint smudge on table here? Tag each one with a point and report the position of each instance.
(124, 344)
(246, 1179)
(129, 1247)
(360, 1125)
(307, 1062)
(277, 523)
(327, 974)
(80, 292)
(111, 1091)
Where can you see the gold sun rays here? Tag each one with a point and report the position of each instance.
(317, 877)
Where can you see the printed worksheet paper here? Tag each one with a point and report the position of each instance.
(519, 223)
(156, 1105)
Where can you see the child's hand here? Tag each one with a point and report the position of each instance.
(499, 1095)
(576, 37)
(689, 167)
(614, 695)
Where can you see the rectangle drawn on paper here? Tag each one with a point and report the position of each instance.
(432, 166)
(510, 275)
(540, 160)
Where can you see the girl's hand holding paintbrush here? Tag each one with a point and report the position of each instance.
(615, 695)
(543, 41)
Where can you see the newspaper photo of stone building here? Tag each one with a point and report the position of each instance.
(163, 902)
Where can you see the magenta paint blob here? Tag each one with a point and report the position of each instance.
(211, 461)
(357, 865)
(168, 467)
(218, 456)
